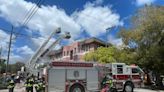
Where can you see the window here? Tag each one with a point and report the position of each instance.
(64, 53)
(119, 69)
(71, 54)
(135, 70)
(87, 47)
(67, 53)
(79, 49)
(75, 50)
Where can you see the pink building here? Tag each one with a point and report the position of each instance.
(75, 51)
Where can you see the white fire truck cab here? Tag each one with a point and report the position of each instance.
(87, 77)
(125, 78)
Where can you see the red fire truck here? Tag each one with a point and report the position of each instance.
(87, 77)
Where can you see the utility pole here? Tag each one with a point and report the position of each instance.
(8, 56)
(0, 59)
(0, 52)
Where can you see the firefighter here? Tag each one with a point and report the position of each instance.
(29, 84)
(107, 84)
(40, 85)
(37, 86)
(110, 80)
(11, 84)
(107, 80)
(26, 84)
(43, 84)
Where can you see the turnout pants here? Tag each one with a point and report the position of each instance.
(11, 89)
(29, 89)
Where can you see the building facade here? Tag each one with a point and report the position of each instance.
(76, 51)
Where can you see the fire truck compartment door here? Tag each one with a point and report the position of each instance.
(56, 80)
(92, 79)
(75, 74)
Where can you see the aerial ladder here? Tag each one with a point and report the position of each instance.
(42, 52)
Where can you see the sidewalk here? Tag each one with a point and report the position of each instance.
(18, 88)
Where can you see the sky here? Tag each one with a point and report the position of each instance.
(33, 23)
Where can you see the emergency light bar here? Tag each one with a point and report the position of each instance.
(71, 64)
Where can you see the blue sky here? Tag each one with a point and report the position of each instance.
(82, 18)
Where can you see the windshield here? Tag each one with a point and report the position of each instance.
(137, 70)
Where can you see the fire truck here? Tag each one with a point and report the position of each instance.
(87, 77)
(80, 76)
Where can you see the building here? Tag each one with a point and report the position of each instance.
(75, 51)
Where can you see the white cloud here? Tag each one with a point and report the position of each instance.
(96, 19)
(4, 39)
(115, 41)
(37, 42)
(143, 2)
(25, 50)
(96, 2)
(46, 19)
(15, 58)
(4, 42)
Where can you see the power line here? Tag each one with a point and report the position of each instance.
(33, 11)
(28, 16)
(20, 34)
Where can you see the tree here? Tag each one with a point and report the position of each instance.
(2, 65)
(13, 68)
(146, 37)
(102, 55)
(110, 55)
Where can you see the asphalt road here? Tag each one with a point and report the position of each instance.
(147, 90)
(20, 88)
(136, 90)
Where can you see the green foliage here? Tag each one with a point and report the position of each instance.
(144, 41)
(102, 55)
(13, 68)
(146, 37)
(109, 55)
(2, 66)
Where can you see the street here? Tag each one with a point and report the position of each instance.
(136, 90)
(147, 90)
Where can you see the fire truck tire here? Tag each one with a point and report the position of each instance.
(77, 88)
(129, 87)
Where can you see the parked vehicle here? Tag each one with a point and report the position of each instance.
(84, 77)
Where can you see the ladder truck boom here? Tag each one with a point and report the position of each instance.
(66, 36)
(40, 50)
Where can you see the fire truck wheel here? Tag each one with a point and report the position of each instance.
(128, 87)
(77, 88)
